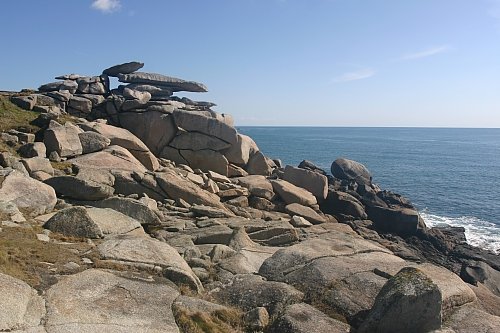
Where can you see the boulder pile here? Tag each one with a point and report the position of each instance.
(142, 211)
(179, 129)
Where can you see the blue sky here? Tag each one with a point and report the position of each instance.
(278, 62)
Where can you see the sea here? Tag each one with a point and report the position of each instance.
(452, 175)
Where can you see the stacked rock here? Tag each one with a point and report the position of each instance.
(179, 129)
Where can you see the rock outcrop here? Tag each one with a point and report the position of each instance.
(159, 195)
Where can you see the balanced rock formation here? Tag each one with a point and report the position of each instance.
(165, 126)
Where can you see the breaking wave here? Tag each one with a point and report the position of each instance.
(478, 232)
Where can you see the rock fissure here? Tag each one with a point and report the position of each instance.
(310, 261)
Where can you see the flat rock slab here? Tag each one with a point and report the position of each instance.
(22, 308)
(125, 68)
(100, 301)
(174, 84)
(151, 251)
(29, 195)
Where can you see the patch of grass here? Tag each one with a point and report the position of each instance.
(62, 119)
(13, 117)
(6, 147)
(63, 166)
(220, 321)
(24, 257)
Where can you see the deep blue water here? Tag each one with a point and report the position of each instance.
(451, 175)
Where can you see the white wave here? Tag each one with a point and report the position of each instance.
(478, 232)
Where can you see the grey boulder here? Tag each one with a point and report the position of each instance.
(24, 102)
(145, 250)
(35, 149)
(10, 212)
(258, 165)
(31, 196)
(240, 152)
(206, 160)
(111, 158)
(91, 85)
(22, 308)
(293, 194)
(130, 207)
(257, 185)
(92, 142)
(154, 128)
(306, 212)
(351, 170)
(312, 181)
(338, 202)
(399, 220)
(248, 291)
(122, 137)
(38, 164)
(177, 187)
(91, 222)
(304, 318)
(408, 302)
(80, 189)
(63, 139)
(79, 104)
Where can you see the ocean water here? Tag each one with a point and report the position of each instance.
(451, 175)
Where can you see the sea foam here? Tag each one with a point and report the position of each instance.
(478, 232)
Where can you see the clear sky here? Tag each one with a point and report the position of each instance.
(278, 62)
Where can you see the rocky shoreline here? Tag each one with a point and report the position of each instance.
(131, 209)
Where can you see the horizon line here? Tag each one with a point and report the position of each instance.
(350, 126)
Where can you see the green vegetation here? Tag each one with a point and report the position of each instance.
(13, 117)
(24, 257)
(63, 166)
(221, 321)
